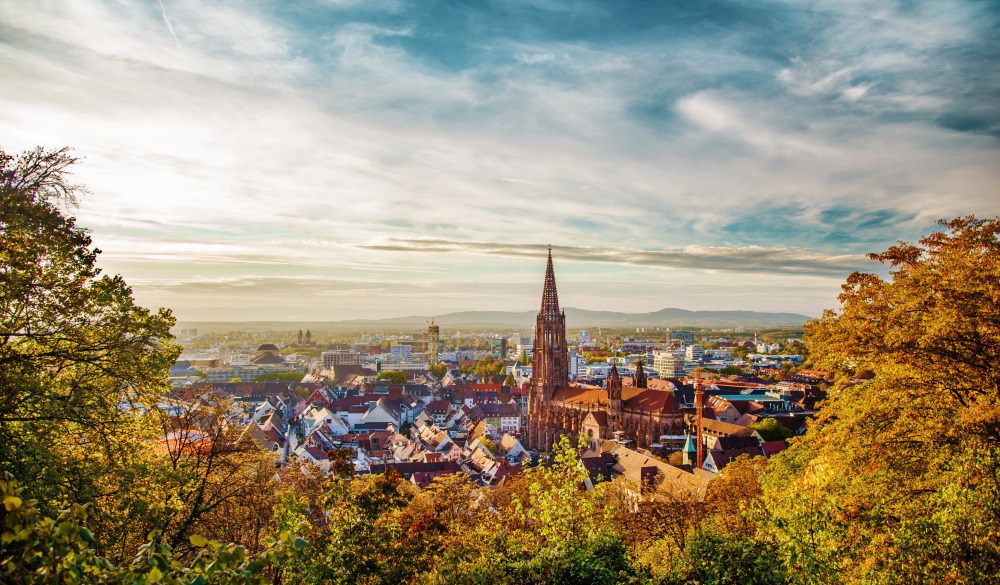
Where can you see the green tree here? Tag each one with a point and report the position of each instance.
(714, 559)
(359, 538)
(79, 361)
(898, 478)
(489, 366)
(43, 550)
(438, 370)
(771, 430)
(392, 376)
(281, 377)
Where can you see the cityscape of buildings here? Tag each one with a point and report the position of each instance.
(424, 405)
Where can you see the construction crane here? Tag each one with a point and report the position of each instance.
(433, 342)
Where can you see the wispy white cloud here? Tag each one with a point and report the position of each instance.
(166, 21)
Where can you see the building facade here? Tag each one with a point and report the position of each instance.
(340, 357)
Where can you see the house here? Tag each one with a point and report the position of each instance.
(433, 438)
(772, 447)
(721, 409)
(716, 460)
(439, 410)
(407, 469)
(650, 473)
(504, 416)
(509, 447)
(714, 428)
(316, 416)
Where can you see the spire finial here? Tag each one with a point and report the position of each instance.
(550, 297)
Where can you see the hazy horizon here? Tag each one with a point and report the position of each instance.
(338, 159)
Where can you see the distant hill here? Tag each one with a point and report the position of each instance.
(575, 318)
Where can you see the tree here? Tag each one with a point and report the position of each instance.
(771, 430)
(219, 477)
(281, 377)
(392, 376)
(489, 366)
(734, 497)
(79, 361)
(898, 477)
(712, 559)
(438, 370)
(359, 536)
(44, 550)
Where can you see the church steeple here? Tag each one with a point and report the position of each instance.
(550, 359)
(614, 386)
(550, 296)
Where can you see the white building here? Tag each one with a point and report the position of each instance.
(670, 364)
(401, 353)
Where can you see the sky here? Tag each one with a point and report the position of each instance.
(338, 159)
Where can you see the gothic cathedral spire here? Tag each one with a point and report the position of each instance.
(550, 359)
(549, 364)
(550, 296)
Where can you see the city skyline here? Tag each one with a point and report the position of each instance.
(337, 160)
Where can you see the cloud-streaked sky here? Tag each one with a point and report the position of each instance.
(333, 159)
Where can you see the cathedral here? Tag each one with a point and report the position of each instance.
(627, 410)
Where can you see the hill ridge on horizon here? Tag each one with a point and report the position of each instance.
(576, 318)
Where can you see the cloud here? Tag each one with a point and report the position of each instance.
(289, 136)
(166, 21)
(747, 259)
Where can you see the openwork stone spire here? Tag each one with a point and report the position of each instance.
(550, 296)
(640, 376)
(550, 359)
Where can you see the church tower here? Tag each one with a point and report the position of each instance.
(640, 377)
(550, 357)
(549, 361)
(614, 385)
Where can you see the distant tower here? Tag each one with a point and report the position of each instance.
(433, 342)
(614, 385)
(549, 363)
(550, 358)
(300, 337)
(309, 337)
(640, 377)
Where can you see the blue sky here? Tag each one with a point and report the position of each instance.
(334, 159)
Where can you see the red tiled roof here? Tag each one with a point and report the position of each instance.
(646, 400)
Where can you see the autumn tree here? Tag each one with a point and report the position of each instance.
(82, 370)
(898, 478)
(79, 360)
